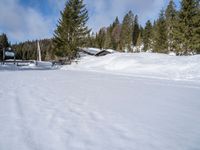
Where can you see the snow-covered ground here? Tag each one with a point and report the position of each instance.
(143, 65)
(116, 102)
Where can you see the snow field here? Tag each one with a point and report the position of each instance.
(117, 102)
(80, 110)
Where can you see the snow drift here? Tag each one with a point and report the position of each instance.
(143, 64)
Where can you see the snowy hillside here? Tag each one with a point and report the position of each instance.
(116, 102)
(144, 65)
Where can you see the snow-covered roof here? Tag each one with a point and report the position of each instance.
(96, 51)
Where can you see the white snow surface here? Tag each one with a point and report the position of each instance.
(116, 102)
(149, 65)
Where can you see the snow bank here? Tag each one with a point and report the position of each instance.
(144, 64)
(44, 64)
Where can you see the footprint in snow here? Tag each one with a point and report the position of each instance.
(122, 132)
(96, 116)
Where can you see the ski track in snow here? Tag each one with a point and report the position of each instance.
(80, 110)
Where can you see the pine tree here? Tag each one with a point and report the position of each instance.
(115, 34)
(160, 44)
(4, 41)
(171, 21)
(147, 36)
(136, 31)
(141, 31)
(127, 31)
(91, 40)
(196, 38)
(116, 22)
(100, 38)
(139, 43)
(3, 44)
(197, 42)
(71, 30)
(189, 27)
(107, 43)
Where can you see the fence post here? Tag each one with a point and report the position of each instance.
(3, 55)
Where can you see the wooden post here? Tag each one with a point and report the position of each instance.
(14, 57)
(39, 51)
(3, 55)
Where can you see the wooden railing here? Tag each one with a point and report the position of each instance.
(18, 62)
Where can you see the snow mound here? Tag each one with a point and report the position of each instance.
(44, 64)
(144, 65)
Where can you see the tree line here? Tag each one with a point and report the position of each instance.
(176, 30)
(28, 50)
(119, 36)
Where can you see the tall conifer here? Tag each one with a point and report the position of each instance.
(171, 21)
(188, 28)
(160, 44)
(4, 41)
(71, 29)
(147, 36)
(127, 30)
(136, 31)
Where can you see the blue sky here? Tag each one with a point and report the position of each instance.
(25, 20)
